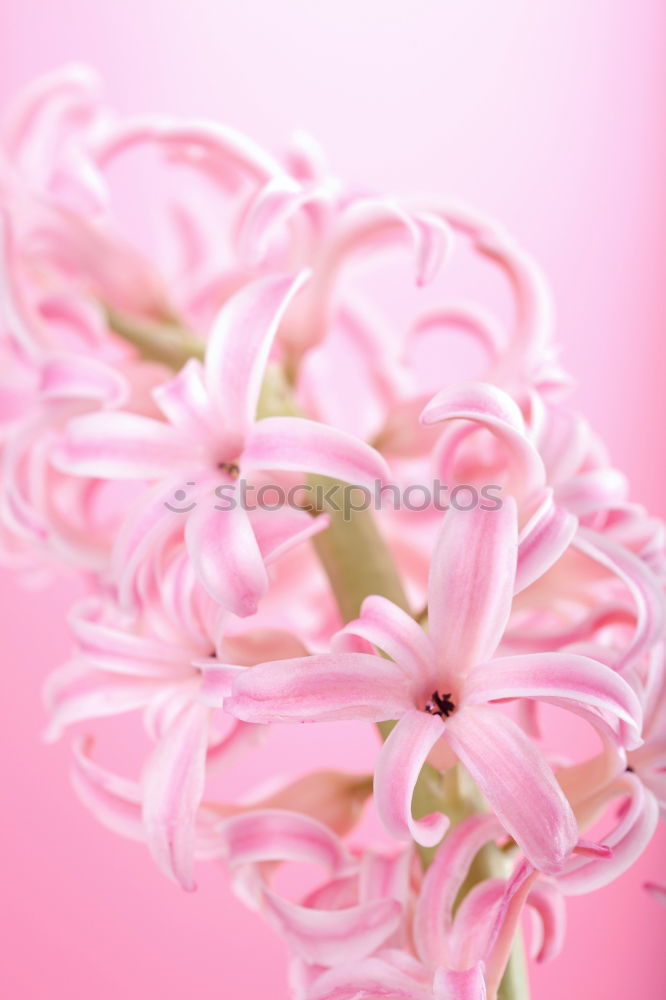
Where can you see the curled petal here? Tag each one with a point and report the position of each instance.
(75, 693)
(641, 582)
(173, 784)
(482, 326)
(433, 917)
(76, 378)
(565, 677)
(367, 980)
(547, 903)
(493, 409)
(545, 537)
(400, 761)
(371, 223)
(220, 142)
(328, 937)
(627, 841)
(113, 801)
(280, 835)
(273, 208)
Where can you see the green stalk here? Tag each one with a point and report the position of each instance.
(168, 343)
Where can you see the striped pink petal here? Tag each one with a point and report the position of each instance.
(321, 688)
(328, 937)
(493, 409)
(226, 557)
(642, 584)
(173, 784)
(122, 446)
(470, 588)
(293, 444)
(399, 764)
(452, 985)
(563, 677)
(239, 346)
(542, 541)
(395, 633)
(517, 782)
(266, 835)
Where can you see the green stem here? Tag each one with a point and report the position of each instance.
(170, 344)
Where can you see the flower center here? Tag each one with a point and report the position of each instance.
(440, 704)
(231, 468)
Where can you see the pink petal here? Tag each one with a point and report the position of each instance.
(184, 402)
(173, 784)
(547, 903)
(641, 582)
(467, 985)
(495, 410)
(293, 444)
(367, 980)
(321, 688)
(75, 693)
(562, 676)
(113, 801)
(119, 650)
(516, 780)
(77, 377)
(265, 835)
(395, 633)
(627, 841)
(368, 223)
(226, 557)
(470, 588)
(509, 912)
(216, 682)
(433, 917)
(398, 766)
(545, 537)
(591, 491)
(482, 326)
(328, 937)
(239, 346)
(279, 531)
(121, 446)
(18, 319)
(226, 146)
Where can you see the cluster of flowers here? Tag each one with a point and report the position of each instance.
(248, 352)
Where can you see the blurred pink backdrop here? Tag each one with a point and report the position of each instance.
(547, 115)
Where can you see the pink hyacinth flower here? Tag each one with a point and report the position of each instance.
(211, 436)
(443, 688)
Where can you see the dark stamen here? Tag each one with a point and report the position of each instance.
(440, 704)
(231, 468)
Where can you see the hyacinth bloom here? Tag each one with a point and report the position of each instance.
(211, 437)
(444, 686)
(142, 391)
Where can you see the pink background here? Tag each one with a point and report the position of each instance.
(549, 116)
